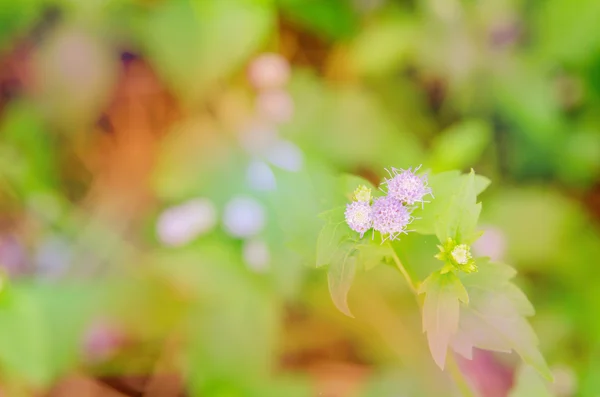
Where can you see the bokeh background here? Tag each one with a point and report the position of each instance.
(163, 163)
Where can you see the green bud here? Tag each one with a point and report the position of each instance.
(456, 256)
(362, 193)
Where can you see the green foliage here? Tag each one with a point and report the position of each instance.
(529, 384)
(458, 221)
(495, 319)
(510, 89)
(384, 45)
(340, 275)
(334, 19)
(194, 43)
(460, 145)
(43, 328)
(332, 235)
(448, 189)
(443, 292)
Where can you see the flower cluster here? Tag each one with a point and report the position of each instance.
(389, 214)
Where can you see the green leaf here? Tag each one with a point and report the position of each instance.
(332, 235)
(372, 253)
(349, 182)
(332, 19)
(23, 346)
(195, 43)
(495, 317)
(42, 327)
(384, 44)
(529, 384)
(460, 145)
(445, 186)
(443, 291)
(27, 156)
(340, 276)
(459, 219)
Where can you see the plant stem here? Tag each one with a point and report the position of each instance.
(402, 269)
(455, 371)
(458, 376)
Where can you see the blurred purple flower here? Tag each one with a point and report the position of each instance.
(244, 217)
(53, 257)
(179, 225)
(260, 176)
(286, 155)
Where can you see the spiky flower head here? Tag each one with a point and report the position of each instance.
(359, 216)
(362, 193)
(406, 186)
(457, 256)
(390, 217)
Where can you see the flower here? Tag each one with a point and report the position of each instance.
(179, 225)
(457, 256)
(406, 186)
(244, 217)
(362, 193)
(359, 216)
(461, 254)
(390, 217)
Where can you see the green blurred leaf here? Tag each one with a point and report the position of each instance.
(42, 330)
(384, 44)
(443, 291)
(567, 32)
(194, 43)
(23, 340)
(332, 19)
(298, 197)
(579, 162)
(332, 235)
(494, 319)
(529, 384)
(27, 156)
(348, 125)
(16, 18)
(460, 146)
(349, 183)
(340, 276)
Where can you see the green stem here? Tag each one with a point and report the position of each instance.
(403, 270)
(455, 371)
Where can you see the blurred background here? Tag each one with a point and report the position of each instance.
(163, 163)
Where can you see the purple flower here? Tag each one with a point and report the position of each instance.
(358, 216)
(390, 217)
(406, 186)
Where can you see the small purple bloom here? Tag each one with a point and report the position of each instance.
(390, 217)
(358, 216)
(407, 187)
